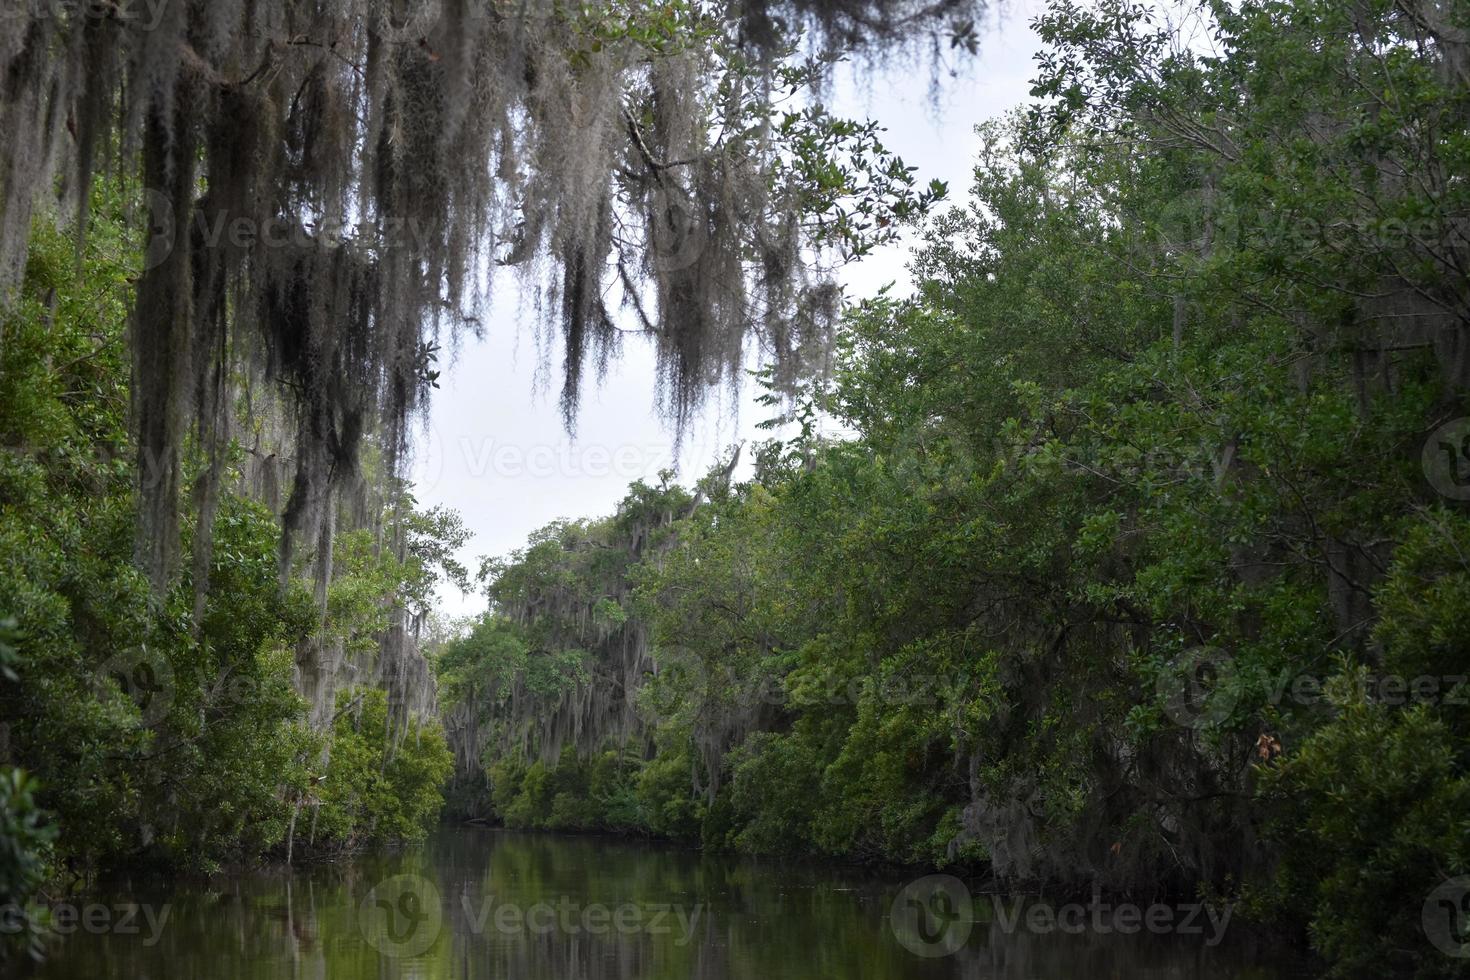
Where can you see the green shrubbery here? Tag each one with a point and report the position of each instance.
(1375, 804)
(27, 836)
(149, 738)
(1141, 466)
(377, 790)
(600, 793)
(26, 839)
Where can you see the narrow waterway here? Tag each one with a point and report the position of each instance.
(484, 903)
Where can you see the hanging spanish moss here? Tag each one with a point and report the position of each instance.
(564, 666)
(570, 594)
(326, 187)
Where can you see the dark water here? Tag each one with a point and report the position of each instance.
(483, 903)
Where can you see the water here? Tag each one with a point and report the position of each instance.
(484, 903)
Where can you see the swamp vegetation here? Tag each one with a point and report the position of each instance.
(1140, 565)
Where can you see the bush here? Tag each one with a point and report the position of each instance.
(666, 802)
(26, 835)
(26, 838)
(377, 792)
(1376, 803)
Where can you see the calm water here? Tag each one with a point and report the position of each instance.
(483, 903)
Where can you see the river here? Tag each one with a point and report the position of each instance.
(485, 903)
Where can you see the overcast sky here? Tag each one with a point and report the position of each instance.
(495, 449)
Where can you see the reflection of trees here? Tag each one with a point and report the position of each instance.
(758, 919)
(995, 954)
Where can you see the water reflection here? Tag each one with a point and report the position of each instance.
(479, 903)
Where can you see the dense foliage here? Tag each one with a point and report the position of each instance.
(1146, 564)
(137, 734)
(235, 236)
(328, 185)
(1143, 565)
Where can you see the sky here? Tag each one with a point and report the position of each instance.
(494, 447)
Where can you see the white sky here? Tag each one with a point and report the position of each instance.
(495, 449)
